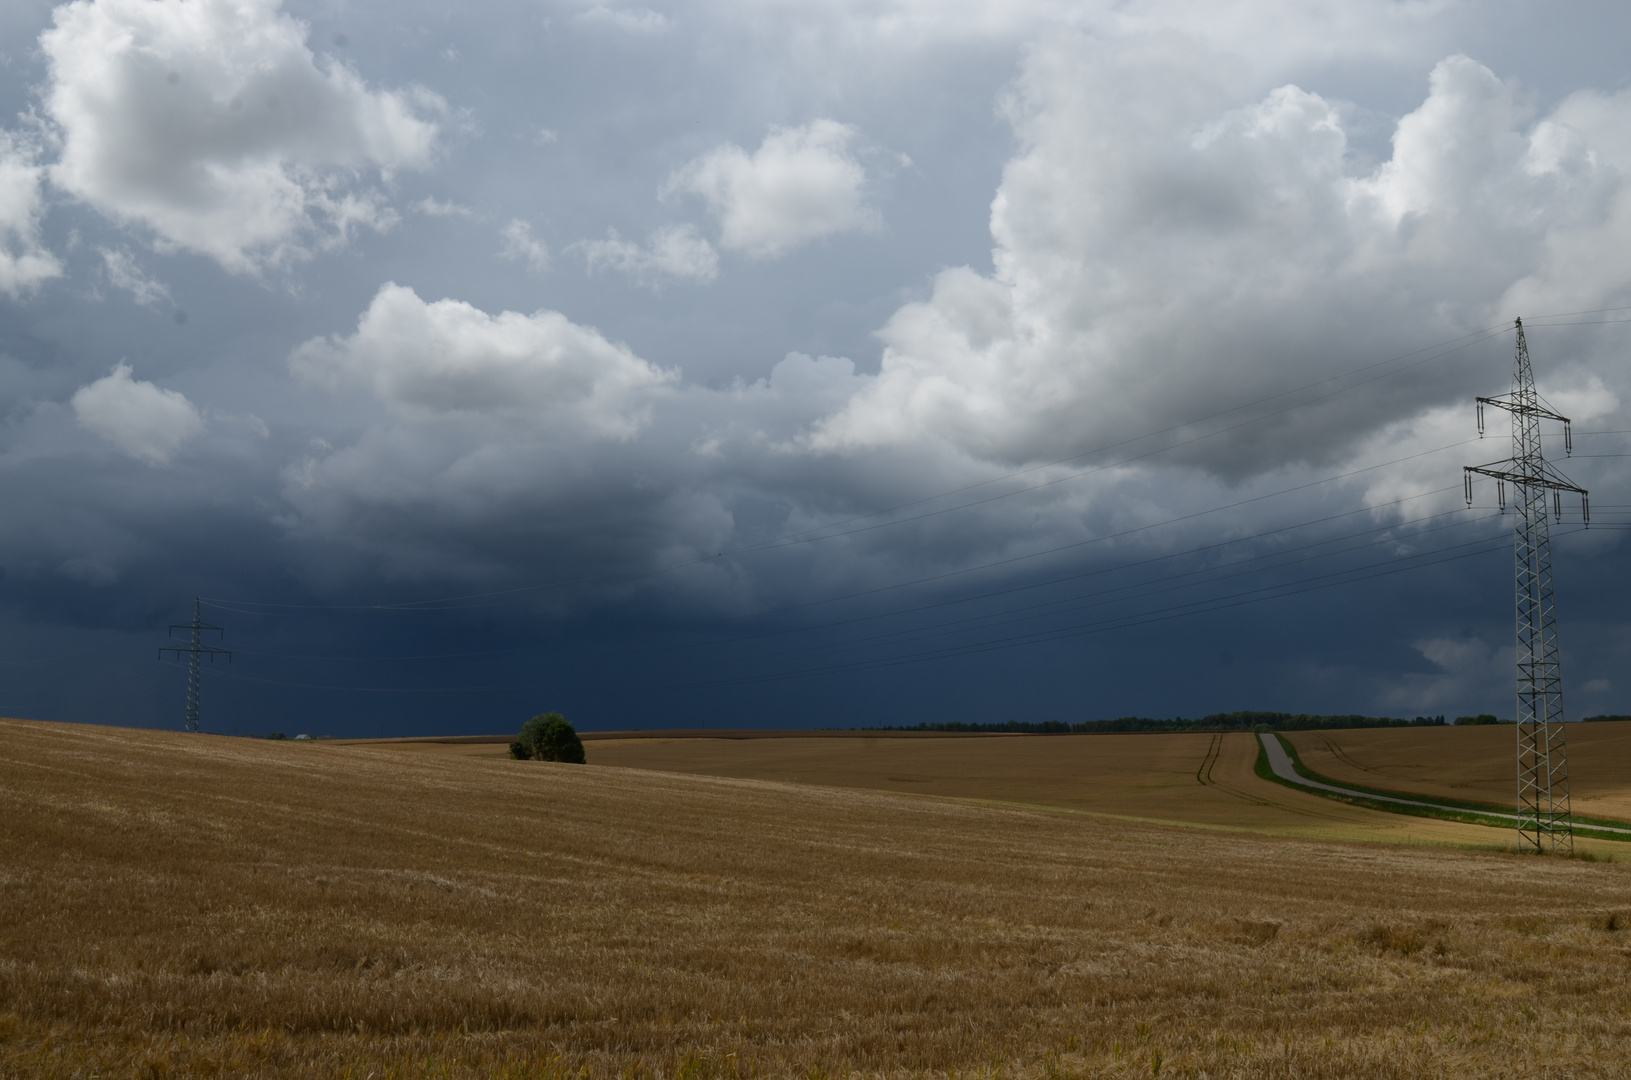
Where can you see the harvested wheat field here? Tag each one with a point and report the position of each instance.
(1204, 780)
(176, 905)
(1474, 764)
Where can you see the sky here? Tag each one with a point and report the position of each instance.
(797, 364)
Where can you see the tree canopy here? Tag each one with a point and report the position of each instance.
(548, 737)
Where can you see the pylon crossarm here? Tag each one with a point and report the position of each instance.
(1505, 401)
(188, 627)
(1493, 469)
(1556, 481)
(188, 650)
(1547, 477)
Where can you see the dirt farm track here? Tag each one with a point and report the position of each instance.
(176, 905)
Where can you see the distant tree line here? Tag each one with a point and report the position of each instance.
(1232, 721)
(1597, 719)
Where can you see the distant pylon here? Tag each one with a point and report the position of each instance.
(1543, 760)
(195, 649)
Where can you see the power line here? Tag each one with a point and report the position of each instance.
(1490, 546)
(1123, 534)
(1280, 590)
(1568, 314)
(1021, 558)
(801, 537)
(1484, 547)
(1011, 615)
(385, 659)
(1074, 603)
(1011, 560)
(1099, 571)
(1480, 336)
(514, 687)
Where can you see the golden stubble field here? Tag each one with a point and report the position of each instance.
(176, 905)
(1203, 780)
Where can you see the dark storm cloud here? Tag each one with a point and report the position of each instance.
(327, 306)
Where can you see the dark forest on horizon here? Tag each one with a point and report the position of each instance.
(1245, 720)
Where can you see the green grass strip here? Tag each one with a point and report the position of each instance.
(1443, 810)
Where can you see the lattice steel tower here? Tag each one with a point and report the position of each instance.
(195, 649)
(1543, 760)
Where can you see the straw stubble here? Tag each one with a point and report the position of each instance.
(188, 905)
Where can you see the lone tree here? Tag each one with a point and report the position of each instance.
(548, 738)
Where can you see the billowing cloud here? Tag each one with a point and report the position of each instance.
(1166, 246)
(212, 124)
(674, 252)
(506, 438)
(1150, 227)
(1158, 256)
(448, 360)
(802, 184)
(24, 263)
(498, 437)
(145, 421)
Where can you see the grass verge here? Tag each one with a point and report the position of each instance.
(1445, 810)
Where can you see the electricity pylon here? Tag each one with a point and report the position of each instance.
(195, 649)
(1543, 760)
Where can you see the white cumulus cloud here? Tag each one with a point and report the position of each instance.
(143, 420)
(802, 184)
(1166, 242)
(509, 425)
(449, 360)
(24, 263)
(211, 123)
(672, 252)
